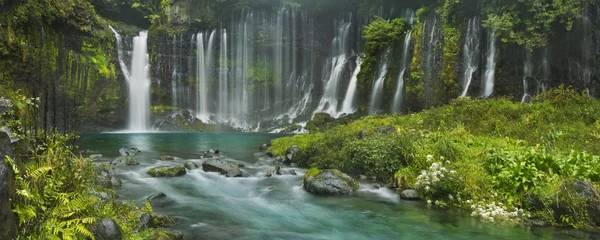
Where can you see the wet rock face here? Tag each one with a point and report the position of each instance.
(330, 182)
(225, 168)
(8, 226)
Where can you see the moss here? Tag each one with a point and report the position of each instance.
(312, 172)
(168, 171)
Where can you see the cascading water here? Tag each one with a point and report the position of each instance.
(490, 71)
(470, 54)
(348, 106)
(587, 54)
(223, 77)
(138, 79)
(527, 75)
(339, 48)
(397, 102)
(430, 53)
(376, 98)
(201, 80)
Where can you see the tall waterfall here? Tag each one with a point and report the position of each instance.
(431, 53)
(337, 63)
(348, 106)
(397, 102)
(201, 79)
(586, 66)
(470, 54)
(138, 79)
(223, 77)
(490, 71)
(527, 75)
(377, 91)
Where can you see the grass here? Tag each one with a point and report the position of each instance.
(499, 149)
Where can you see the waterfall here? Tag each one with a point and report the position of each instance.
(375, 104)
(339, 52)
(138, 80)
(543, 84)
(470, 54)
(201, 79)
(430, 53)
(397, 102)
(223, 77)
(488, 80)
(527, 75)
(587, 49)
(348, 106)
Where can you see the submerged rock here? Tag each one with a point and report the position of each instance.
(329, 182)
(155, 196)
(168, 171)
(107, 229)
(95, 157)
(132, 151)
(190, 165)
(223, 167)
(410, 194)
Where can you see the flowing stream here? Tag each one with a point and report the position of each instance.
(210, 206)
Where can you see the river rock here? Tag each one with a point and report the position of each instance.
(579, 189)
(289, 154)
(190, 165)
(132, 151)
(264, 147)
(223, 167)
(168, 171)
(105, 176)
(329, 182)
(210, 153)
(167, 158)
(165, 234)
(95, 157)
(8, 228)
(107, 229)
(410, 194)
(120, 161)
(104, 196)
(155, 196)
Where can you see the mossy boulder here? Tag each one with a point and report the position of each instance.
(167, 158)
(329, 182)
(129, 151)
(190, 165)
(165, 234)
(577, 202)
(168, 171)
(226, 168)
(121, 161)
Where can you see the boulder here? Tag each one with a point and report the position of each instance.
(264, 147)
(157, 195)
(276, 170)
(410, 194)
(577, 194)
(190, 165)
(105, 176)
(329, 182)
(107, 229)
(167, 158)
(210, 153)
(289, 154)
(288, 172)
(95, 157)
(104, 196)
(168, 171)
(132, 151)
(165, 234)
(8, 228)
(121, 161)
(223, 167)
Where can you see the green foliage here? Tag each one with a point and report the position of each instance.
(381, 32)
(530, 23)
(312, 172)
(493, 146)
(156, 10)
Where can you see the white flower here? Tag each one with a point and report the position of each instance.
(450, 197)
(426, 188)
(469, 201)
(429, 157)
(452, 172)
(429, 202)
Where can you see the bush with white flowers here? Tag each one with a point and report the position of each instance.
(439, 184)
(497, 212)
